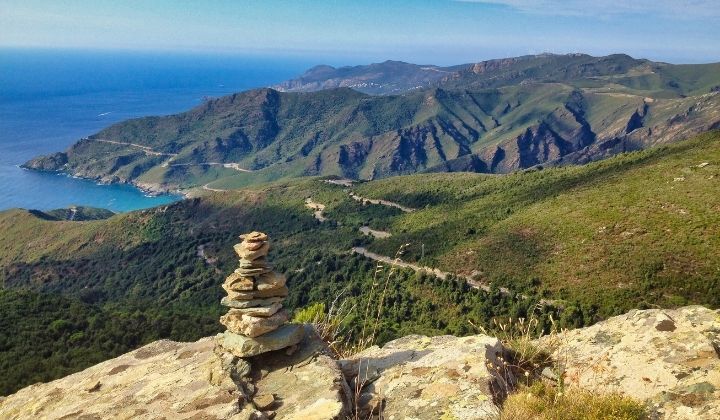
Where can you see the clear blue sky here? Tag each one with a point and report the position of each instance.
(427, 31)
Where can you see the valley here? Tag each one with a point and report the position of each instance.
(635, 230)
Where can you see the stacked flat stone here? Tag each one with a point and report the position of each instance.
(256, 322)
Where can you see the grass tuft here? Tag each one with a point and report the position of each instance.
(542, 401)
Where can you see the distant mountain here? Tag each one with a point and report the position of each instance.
(584, 71)
(497, 116)
(389, 77)
(394, 77)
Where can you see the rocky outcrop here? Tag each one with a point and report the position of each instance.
(51, 162)
(305, 385)
(429, 378)
(165, 378)
(668, 358)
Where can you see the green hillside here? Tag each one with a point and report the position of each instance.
(492, 117)
(619, 72)
(635, 230)
(74, 213)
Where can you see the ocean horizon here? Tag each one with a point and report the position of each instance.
(51, 98)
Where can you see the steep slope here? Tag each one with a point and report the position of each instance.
(640, 227)
(264, 135)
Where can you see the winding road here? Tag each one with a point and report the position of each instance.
(443, 275)
(317, 209)
(149, 150)
(381, 202)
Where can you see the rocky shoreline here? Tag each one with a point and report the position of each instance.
(149, 189)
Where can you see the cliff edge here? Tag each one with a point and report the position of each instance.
(668, 359)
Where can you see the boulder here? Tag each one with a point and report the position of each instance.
(242, 346)
(252, 326)
(429, 378)
(667, 358)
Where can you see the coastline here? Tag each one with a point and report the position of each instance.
(147, 189)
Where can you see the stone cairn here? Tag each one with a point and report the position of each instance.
(256, 322)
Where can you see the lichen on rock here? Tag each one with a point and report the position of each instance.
(669, 358)
(429, 377)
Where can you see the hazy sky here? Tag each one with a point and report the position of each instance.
(429, 31)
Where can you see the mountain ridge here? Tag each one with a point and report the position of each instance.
(497, 117)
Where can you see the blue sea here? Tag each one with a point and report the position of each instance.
(50, 99)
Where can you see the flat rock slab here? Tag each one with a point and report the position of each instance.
(240, 304)
(170, 380)
(668, 358)
(253, 326)
(242, 346)
(307, 384)
(163, 379)
(428, 378)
